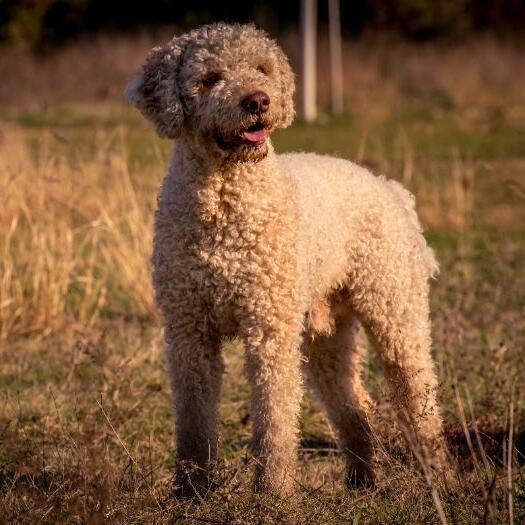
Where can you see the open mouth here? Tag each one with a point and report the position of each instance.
(253, 136)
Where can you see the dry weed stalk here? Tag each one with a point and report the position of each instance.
(421, 456)
(509, 459)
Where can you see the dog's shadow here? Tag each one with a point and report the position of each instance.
(492, 443)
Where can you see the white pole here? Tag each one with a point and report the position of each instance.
(336, 57)
(308, 33)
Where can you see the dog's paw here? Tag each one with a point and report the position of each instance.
(192, 482)
(363, 477)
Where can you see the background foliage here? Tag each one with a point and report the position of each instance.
(42, 23)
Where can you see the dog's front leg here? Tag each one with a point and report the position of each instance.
(195, 368)
(273, 370)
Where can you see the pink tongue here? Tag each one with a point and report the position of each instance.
(255, 136)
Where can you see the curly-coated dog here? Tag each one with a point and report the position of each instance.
(291, 253)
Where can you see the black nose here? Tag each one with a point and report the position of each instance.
(256, 102)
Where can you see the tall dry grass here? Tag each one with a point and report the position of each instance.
(75, 235)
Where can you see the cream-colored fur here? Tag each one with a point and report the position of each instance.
(288, 252)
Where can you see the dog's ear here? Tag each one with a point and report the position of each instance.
(154, 91)
(287, 79)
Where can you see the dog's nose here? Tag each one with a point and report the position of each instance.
(256, 102)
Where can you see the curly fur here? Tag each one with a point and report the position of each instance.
(289, 252)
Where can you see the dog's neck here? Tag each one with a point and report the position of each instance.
(223, 191)
(209, 157)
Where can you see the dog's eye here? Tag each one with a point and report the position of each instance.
(263, 69)
(211, 79)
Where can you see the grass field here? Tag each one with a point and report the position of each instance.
(85, 419)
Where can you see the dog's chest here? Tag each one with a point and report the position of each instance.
(228, 241)
(233, 227)
(229, 256)
(240, 261)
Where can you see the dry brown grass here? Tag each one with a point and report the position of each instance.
(76, 235)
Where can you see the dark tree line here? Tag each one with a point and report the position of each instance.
(46, 22)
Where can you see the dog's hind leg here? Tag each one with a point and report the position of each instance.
(397, 320)
(333, 370)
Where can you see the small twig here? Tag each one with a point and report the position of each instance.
(487, 495)
(128, 453)
(464, 426)
(326, 451)
(487, 500)
(509, 458)
(486, 462)
(123, 445)
(331, 507)
(195, 518)
(419, 455)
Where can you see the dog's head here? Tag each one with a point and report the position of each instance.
(227, 85)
